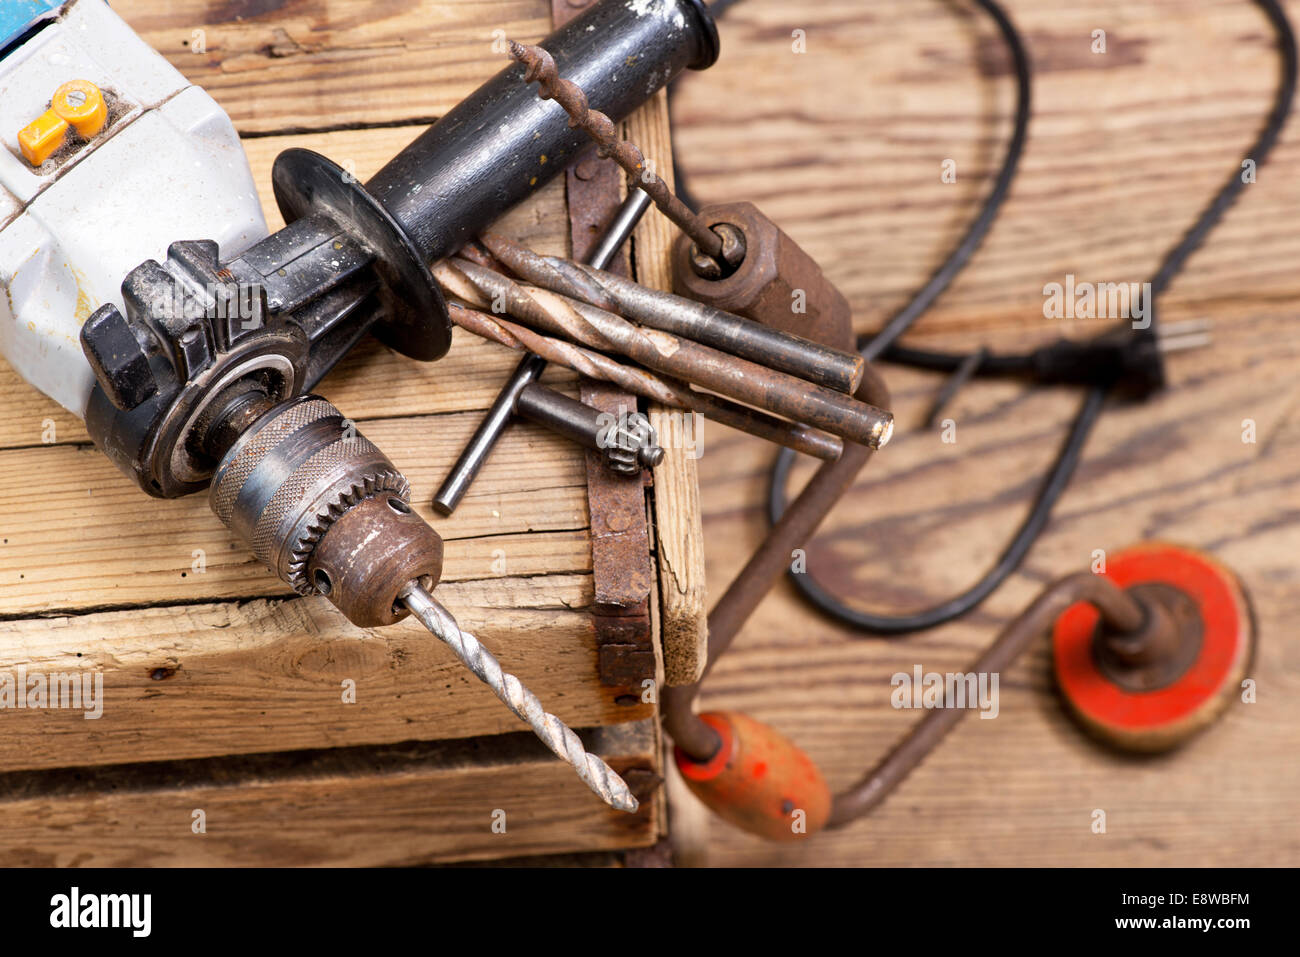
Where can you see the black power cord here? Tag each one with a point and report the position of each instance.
(1124, 359)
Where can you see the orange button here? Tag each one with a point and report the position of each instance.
(40, 139)
(77, 104)
(81, 103)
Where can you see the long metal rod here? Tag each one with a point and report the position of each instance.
(553, 732)
(685, 359)
(619, 229)
(634, 379)
(476, 451)
(763, 570)
(529, 370)
(824, 365)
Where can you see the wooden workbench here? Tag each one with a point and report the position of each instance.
(223, 693)
(1125, 149)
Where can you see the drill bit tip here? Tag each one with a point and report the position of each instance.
(553, 732)
(538, 63)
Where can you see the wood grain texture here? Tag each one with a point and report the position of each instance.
(204, 680)
(409, 804)
(203, 665)
(680, 538)
(280, 65)
(843, 146)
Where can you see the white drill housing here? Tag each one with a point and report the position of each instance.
(168, 166)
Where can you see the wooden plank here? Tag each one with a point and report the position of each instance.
(676, 498)
(84, 538)
(279, 65)
(413, 804)
(1124, 150)
(203, 680)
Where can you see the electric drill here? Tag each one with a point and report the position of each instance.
(144, 294)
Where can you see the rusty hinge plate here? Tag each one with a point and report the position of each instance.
(620, 533)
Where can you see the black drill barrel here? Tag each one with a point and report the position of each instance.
(354, 259)
(503, 143)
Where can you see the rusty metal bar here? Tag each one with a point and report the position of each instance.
(764, 568)
(685, 359)
(827, 366)
(666, 391)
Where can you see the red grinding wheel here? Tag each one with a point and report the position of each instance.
(1215, 653)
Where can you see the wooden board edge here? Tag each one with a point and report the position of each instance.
(678, 524)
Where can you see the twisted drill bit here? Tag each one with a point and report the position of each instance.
(554, 733)
(596, 365)
(665, 391)
(682, 358)
(812, 361)
(540, 68)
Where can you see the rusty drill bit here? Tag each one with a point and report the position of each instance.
(813, 361)
(595, 365)
(685, 359)
(553, 732)
(540, 68)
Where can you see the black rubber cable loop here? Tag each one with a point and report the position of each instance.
(882, 345)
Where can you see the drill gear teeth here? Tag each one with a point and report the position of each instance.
(373, 483)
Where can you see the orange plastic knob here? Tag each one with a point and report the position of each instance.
(78, 105)
(81, 104)
(759, 780)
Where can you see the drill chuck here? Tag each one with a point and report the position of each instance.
(326, 511)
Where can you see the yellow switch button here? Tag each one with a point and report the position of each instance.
(77, 104)
(41, 138)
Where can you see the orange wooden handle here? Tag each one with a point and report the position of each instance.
(759, 780)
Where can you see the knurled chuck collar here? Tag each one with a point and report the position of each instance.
(325, 510)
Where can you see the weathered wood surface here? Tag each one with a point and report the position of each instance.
(683, 595)
(202, 666)
(280, 65)
(843, 145)
(206, 680)
(414, 803)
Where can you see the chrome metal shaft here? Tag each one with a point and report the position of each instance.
(554, 733)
